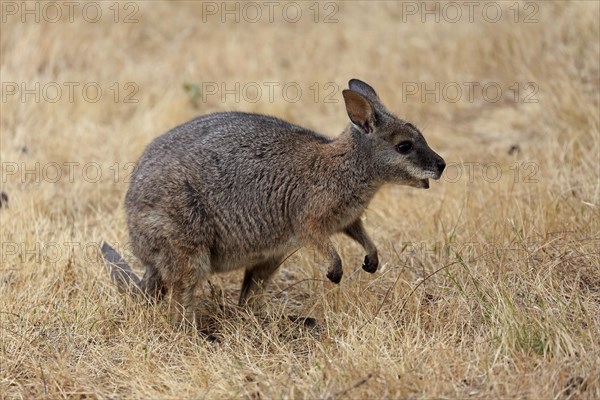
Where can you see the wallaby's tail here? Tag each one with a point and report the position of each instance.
(120, 272)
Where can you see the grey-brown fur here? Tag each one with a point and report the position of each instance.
(236, 190)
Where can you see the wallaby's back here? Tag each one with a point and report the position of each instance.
(231, 180)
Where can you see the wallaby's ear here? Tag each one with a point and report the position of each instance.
(365, 89)
(359, 110)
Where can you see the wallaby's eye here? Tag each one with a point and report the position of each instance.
(404, 147)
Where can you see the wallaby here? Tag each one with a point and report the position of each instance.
(236, 190)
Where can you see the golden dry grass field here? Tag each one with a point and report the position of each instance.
(489, 285)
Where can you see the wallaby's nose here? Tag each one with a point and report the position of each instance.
(441, 164)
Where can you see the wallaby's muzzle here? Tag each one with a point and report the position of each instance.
(436, 174)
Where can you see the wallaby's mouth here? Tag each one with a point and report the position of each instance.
(418, 183)
(420, 180)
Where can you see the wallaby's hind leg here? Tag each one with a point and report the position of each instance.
(255, 280)
(152, 283)
(256, 277)
(184, 304)
(183, 280)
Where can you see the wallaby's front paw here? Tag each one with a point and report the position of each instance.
(371, 263)
(335, 271)
(335, 276)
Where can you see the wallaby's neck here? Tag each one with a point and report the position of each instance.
(349, 160)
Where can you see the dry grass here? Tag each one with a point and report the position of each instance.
(488, 289)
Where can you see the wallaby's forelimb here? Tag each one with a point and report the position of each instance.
(357, 232)
(120, 272)
(326, 248)
(256, 277)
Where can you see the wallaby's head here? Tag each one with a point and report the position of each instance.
(398, 150)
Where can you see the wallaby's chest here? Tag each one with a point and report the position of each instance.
(345, 209)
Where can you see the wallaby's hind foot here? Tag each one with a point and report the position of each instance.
(306, 322)
(120, 272)
(209, 337)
